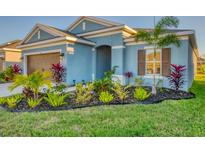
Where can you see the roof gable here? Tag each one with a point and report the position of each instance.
(93, 21)
(41, 32)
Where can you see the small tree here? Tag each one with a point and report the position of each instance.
(160, 37)
(176, 78)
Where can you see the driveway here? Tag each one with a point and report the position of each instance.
(4, 92)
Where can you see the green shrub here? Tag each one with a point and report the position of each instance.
(32, 103)
(58, 89)
(139, 81)
(2, 100)
(13, 100)
(106, 97)
(32, 82)
(120, 91)
(84, 94)
(55, 99)
(141, 94)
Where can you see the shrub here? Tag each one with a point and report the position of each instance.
(141, 94)
(84, 94)
(55, 99)
(2, 100)
(176, 78)
(129, 75)
(32, 103)
(32, 82)
(120, 91)
(9, 73)
(17, 69)
(58, 89)
(106, 97)
(139, 81)
(58, 72)
(13, 100)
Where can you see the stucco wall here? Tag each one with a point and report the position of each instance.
(89, 26)
(178, 56)
(79, 64)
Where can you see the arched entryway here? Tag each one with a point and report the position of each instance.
(103, 60)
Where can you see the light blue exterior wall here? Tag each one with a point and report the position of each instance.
(43, 36)
(89, 26)
(115, 41)
(178, 56)
(79, 65)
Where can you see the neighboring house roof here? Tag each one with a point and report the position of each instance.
(101, 21)
(10, 46)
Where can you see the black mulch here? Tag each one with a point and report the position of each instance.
(162, 94)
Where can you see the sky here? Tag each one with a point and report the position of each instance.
(15, 27)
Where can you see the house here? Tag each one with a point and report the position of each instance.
(201, 61)
(9, 54)
(91, 46)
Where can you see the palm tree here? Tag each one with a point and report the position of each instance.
(159, 37)
(33, 82)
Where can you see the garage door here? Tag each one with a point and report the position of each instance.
(1, 64)
(42, 62)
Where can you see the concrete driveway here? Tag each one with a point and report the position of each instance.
(5, 92)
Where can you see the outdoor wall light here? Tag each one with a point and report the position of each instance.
(62, 55)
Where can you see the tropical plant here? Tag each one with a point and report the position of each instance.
(159, 84)
(176, 78)
(58, 89)
(129, 75)
(141, 94)
(32, 103)
(58, 72)
(159, 37)
(32, 82)
(106, 83)
(55, 99)
(84, 93)
(106, 97)
(13, 100)
(16, 69)
(139, 81)
(121, 91)
(2, 100)
(203, 69)
(8, 73)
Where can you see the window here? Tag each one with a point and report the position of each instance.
(84, 24)
(151, 66)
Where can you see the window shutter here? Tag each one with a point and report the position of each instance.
(141, 62)
(166, 61)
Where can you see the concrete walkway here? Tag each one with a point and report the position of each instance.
(4, 92)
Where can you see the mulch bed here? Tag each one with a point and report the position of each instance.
(162, 94)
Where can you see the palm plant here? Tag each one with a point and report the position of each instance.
(33, 82)
(159, 37)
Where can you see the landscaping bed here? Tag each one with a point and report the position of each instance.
(70, 102)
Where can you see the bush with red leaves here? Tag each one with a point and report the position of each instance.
(58, 72)
(176, 78)
(128, 75)
(17, 69)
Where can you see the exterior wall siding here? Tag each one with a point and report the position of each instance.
(178, 56)
(89, 26)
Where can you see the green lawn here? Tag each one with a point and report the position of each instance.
(170, 118)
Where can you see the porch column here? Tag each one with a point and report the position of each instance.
(118, 60)
(93, 64)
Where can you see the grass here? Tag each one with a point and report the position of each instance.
(169, 118)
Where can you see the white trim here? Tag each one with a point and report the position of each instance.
(93, 49)
(84, 25)
(103, 34)
(11, 49)
(120, 27)
(118, 47)
(120, 78)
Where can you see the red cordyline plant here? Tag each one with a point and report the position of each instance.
(58, 72)
(16, 69)
(128, 75)
(176, 78)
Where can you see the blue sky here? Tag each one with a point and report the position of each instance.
(17, 27)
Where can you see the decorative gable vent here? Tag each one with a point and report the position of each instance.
(84, 25)
(39, 35)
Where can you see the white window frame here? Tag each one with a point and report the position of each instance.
(153, 62)
(39, 35)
